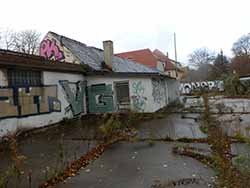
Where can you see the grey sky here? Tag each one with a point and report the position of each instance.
(135, 24)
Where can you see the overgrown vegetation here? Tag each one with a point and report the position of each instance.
(228, 175)
(14, 171)
(115, 127)
(234, 87)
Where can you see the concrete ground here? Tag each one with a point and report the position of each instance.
(174, 126)
(125, 164)
(140, 165)
(47, 151)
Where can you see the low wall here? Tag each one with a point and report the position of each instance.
(219, 104)
(190, 87)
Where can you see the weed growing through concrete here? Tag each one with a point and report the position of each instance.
(228, 175)
(15, 170)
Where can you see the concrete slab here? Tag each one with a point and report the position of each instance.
(139, 165)
(47, 151)
(173, 126)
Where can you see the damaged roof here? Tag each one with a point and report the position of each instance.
(94, 58)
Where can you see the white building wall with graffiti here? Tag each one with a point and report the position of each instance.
(63, 95)
(61, 105)
(145, 94)
(139, 91)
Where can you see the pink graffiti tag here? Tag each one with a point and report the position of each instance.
(50, 50)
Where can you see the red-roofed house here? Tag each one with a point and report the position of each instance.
(172, 68)
(156, 60)
(144, 56)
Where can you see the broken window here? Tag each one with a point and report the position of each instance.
(122, 92)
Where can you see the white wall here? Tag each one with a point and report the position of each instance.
(140, 86)
(173, 90)
(53, 78)
(3, 77)
(140, 90)
(11, 125)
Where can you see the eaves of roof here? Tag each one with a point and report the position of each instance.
(10, 59)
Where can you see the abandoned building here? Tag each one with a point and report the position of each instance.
(72, 79)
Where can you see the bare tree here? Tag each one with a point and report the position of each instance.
(242, 46)
(7, 39)
(200, 57)
(27, 41)
(201, 64)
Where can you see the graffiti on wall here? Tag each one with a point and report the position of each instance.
(188, 88)
(50, 50)
(74, 94)
(22, 102)
(100, 98)
(159, 90)
(138, 98)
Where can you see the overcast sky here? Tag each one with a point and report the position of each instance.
(135, 24)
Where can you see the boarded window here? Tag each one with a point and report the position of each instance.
(122, 92)
(24, 78)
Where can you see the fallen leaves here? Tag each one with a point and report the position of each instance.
(72, 169)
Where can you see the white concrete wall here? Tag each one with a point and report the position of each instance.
(140, 90)
(140, 85)
(3, 77)
(12, 125)
(52, 78)
(159, 93)
(143, 88)
(173, 90)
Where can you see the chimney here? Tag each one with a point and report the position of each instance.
(108, 52)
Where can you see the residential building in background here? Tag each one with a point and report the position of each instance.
(156, 60)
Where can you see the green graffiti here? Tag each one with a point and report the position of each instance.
(139, 101)
(100, 98)
(74, 98)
